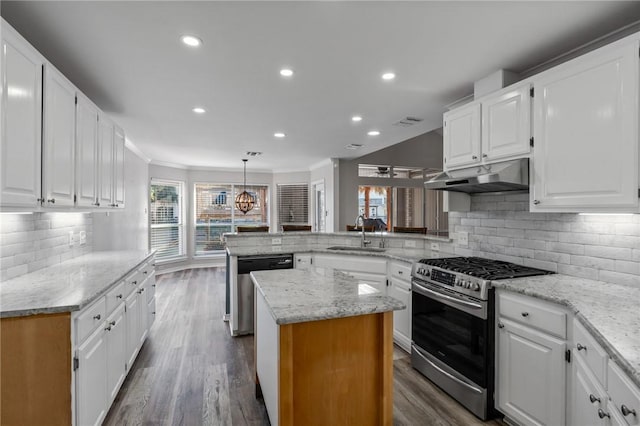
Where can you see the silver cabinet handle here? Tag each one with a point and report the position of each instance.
(536, 202)
(602, 414)
(96, 317)
(525, 314)
(594, 398)
(625, 410)
(580, 347)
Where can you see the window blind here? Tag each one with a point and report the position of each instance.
(293, 204)
(165, 216)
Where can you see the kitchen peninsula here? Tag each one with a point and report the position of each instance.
(324, 348)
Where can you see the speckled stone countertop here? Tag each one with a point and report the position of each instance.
(610, 312)
(68, 286)
(402, 254)
(296, 295)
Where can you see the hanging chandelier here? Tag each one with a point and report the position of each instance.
(244, 200)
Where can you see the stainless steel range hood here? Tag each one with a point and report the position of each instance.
(498, 177)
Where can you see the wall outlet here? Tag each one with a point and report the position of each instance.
(83, 238)
(410, 243)
(435, 246)
(275, 241)
(70, 238)
(463, 239)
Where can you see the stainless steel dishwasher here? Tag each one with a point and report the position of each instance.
(247, 264)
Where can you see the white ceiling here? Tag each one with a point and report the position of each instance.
(128, 58)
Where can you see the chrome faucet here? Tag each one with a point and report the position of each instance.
(360, 222)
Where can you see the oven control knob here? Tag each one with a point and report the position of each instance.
(475, 287)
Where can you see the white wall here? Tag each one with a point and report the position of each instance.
(128, 228)
(327, 172)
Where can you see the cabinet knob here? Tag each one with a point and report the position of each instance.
(474, 157)
(626, 411)
(134, 282)
(40, 200)
(580, 347)
(144, 272)
(154, 312)
(602, 414)
(500, 325)
(536, 202)
(118, 296)
(97, 204)
(51, 200)
(594, 398)
(112, 323)
(153, 285)
(484, 155)
(141, 291)
(525, 314)
(107, 328)
(96, 317)
(399, 272)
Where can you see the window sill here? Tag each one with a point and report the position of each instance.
(171, 260)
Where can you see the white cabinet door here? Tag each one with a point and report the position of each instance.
(462, 136)
(86, 152)
(116, 356)
(58, 159)
(584, 411)
(20, 121)
(506, 124)
(118, 159)
(143, 326)
(586, 133)
(106, 161)
(376, 281)
(91, 380)
(303, 261)
(132, 321)
(530, 375)
(400, 290)
(151, 313)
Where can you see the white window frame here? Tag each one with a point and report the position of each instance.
(182, 255)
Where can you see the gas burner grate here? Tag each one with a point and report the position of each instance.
(487, 269)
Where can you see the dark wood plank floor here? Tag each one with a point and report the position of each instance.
(190, 371)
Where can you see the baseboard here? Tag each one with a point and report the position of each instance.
(403, 341)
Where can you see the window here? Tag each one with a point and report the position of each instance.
(166, 217)
(293, 204)
(215, 213)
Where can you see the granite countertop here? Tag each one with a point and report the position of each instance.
(610, 312)
(401, 254)
(68, 286)
(296, 295)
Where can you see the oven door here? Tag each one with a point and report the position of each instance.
(453, 329)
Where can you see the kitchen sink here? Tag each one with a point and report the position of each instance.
(365, 249)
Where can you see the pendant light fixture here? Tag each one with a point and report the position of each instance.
(244, 200)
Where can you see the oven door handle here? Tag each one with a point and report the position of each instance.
(428, 292)
(449, 375)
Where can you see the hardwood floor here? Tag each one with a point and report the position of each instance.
(190, 370)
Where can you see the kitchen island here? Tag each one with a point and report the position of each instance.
(324, 348)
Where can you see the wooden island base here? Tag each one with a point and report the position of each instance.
(330, 372)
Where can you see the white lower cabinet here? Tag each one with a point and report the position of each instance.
(110, 333)
(399, 287)
(530, 361)
(91, 380)
(303, 261)
(588, 397)
(370, 271)
(116, 357)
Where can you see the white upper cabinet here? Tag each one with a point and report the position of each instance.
(105, 161)
(496, 127)
(21, 121)
(58, 159)
(462, 136)
(506, 124)
(86, 152)
(118, 159)
(586, 133)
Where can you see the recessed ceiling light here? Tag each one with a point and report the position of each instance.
(279, 135)
(356, 118)
(191, 41)
(388, 76)
(199, 110)
(286, 72)
(373, 133)
(353, 146)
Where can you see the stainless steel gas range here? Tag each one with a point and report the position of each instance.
(452, 329)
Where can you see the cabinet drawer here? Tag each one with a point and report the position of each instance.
(623, 392)
(534, 313)
(90, 318)
(115, 296)
(587, 349)
(131, 282)
(400, 270)
(146, 269)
